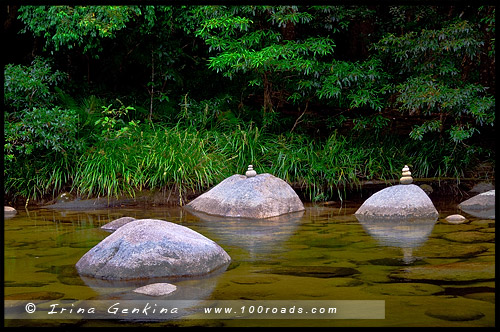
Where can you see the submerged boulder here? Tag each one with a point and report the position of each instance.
(156, 289)
(481, 206)
(148, 248)
(117, 223)
(257, 196)
(447, 272)
(407, 201)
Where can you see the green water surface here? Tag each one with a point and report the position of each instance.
(435, 274)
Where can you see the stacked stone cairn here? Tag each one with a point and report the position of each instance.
(406, 178)
(250, 173)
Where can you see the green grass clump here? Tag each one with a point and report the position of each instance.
(160, 158)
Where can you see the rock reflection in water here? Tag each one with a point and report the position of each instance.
(405, 233)
(187, 297)
(254, 235)
(480, 213)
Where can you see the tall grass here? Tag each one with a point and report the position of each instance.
(106, 170)
(188, 159)
(36, 179)
(162, 158)
(242, 146)
(181, 159)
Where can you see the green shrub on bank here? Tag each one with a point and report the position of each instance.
(185, 159)
(40, 151)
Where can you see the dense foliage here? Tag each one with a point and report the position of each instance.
(108, 100)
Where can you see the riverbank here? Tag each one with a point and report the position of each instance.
(436, 188)
(191, 161)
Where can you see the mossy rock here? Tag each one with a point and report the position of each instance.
(344, 282)
(254, 279)
(469, 237)
(444, 249)
(10, 283)
(404, 289)
(315, 271)
(390, 261)
(483, 296)
(42, 295)
(483, 222)
(454, 314)
(449, 272)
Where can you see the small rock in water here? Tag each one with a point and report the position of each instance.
(427, 188)
(157, 289)
(482, 187)
(456, 219)
(65, 197)
(117, 223)
(9, 210)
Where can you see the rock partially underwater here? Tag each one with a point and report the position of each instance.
(480, 206)
(149, 248)
(404, 200)
(257, 197)
(399, 201)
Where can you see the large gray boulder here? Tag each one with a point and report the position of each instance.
(399, 201)
(481, 206)
(256, 197)
(148, 248)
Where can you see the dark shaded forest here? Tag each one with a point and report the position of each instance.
(112, 100)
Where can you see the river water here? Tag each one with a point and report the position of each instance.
(425, 274)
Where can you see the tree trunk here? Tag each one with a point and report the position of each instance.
(268, 103)
(487, 62)
(152, 92)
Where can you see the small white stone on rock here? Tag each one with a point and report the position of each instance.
(157, 289)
